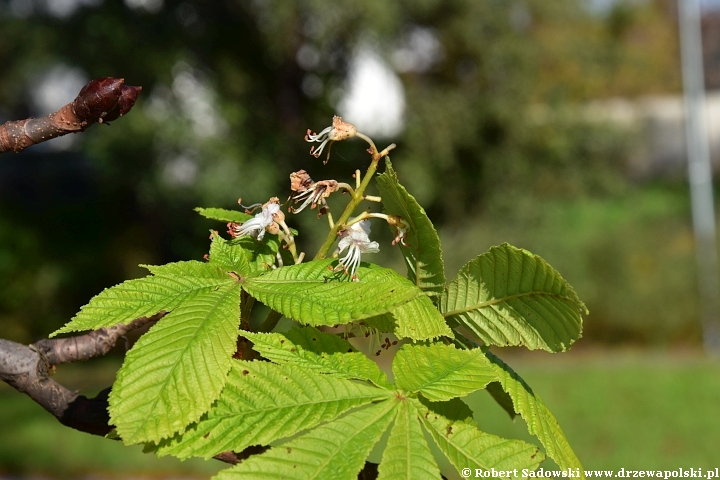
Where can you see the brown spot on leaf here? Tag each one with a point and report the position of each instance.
(245, 372)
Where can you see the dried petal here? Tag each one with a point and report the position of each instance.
(300, 181)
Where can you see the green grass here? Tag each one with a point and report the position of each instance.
(635, 410)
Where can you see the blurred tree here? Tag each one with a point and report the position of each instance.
(491, 127)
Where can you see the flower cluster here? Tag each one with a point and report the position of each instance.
(354, 234)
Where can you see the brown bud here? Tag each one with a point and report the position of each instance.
(279, 216)
(97, 98)
(128, 96)
(233, 229)
(273, 228)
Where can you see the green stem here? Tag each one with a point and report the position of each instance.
(289, 240)
(357, 196)
(354, 202)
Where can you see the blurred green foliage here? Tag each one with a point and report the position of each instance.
(621, 409)
(494, 144)
(631, 257)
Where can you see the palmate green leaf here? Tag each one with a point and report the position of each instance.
(315, 350)
(407, 455)
(508, 296)
(263, 402)
(306, 293)
(441, 372)
(177, 369)
(419, 319)
(229, 255)
(335, 450)
(467, 447)
(261, 255)
(224, 215)
(382, 323)
(422, 254)
(172, 285)
(540, 422)
(189, 268)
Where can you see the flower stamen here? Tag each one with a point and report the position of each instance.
(339, 130)
(264, 221)
(355, 239)
(311, 193)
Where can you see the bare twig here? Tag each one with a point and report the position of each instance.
(101, 100)
(84, 347)
(27, 370)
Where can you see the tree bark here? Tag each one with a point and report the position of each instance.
(28, 370)
(101, 100)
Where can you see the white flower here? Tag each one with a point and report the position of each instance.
(356, 241)
(338, 131)
(257, 225)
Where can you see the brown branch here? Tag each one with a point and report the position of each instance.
(24, 369)
(84, 347)
(101, 100)
(27, 369)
